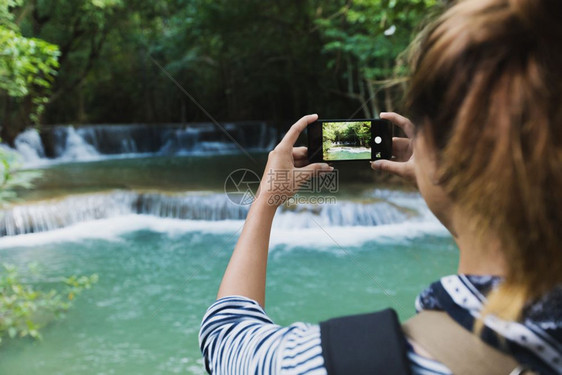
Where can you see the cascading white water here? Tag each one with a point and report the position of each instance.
(76, 148)
(344, 213)
(54, 214)
(29, 145)
(94, 142)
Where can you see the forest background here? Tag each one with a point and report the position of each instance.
(107, 61)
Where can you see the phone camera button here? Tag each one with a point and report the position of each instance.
(378, 140)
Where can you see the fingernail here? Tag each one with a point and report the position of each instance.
(376, 163)
(383, 113)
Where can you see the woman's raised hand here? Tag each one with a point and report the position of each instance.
(402, 149)
(288, 167)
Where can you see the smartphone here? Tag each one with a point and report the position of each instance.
(349, 140)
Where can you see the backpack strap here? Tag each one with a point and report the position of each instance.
(364, 344)
(458, 349)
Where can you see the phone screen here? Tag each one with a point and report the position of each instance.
(348, 140)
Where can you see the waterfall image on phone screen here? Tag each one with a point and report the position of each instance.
(346, 140)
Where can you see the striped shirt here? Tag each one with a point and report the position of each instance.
(237, 337)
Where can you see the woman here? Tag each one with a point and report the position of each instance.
(486, 155)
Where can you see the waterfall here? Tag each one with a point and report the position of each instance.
(76, 147)
(29, 145)
(93, 142)
(59, 213)
(344, 213)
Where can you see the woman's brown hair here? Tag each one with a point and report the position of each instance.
(486, 90)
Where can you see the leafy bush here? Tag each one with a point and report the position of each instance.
(12, 177)
(24, 309)
(28, 66)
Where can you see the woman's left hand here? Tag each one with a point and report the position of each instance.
(288, 167)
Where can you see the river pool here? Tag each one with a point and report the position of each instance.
(159, 272)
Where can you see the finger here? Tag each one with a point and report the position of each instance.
(293, 134)
(400, 121)
(400, 169)
(301, 163)
(300, 153)
(401, 148)
(300, 156)
(318, 167)
(313, 169)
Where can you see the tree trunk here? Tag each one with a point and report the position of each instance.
(6, 121)
(183, 117)
(15, 119)
(349, 75)
(146, 72)
(230, 108)
(373, 98)
(363, 99)
(388, 91)
(81, 115)
(388, 102)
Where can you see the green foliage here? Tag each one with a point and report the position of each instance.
(25, 62)
(241, 59)
(25, 309)
(368, 37)
(6, 16)
(374, 32)
(12, 177)
(27, 65)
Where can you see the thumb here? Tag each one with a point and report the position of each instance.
(400, 169)
(318, 167)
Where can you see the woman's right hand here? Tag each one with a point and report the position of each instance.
(402, 163)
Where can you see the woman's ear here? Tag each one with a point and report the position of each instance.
(428, 180)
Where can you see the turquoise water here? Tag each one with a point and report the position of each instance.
(346, 153)
(157, 276)
(143, 315)
(178, 173)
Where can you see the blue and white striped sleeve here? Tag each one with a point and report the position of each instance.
(237, 337)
